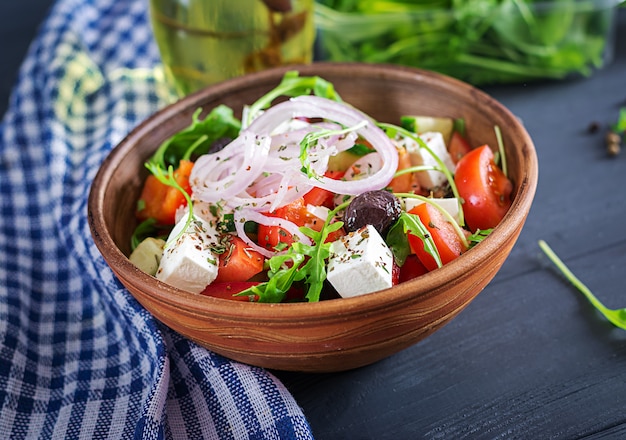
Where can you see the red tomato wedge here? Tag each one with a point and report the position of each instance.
(322, 197)
(270, 236)
(458, 147)
(296, 212)
(412, 268)
(229, 290)
(160, 201)
(485, 190)
(239, 262)
(446, 239)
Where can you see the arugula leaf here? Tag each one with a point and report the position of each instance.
(301, 262)
(360, 150)
(292, 84)
(198, 137)
(620, 126)
(617, 317)
(145, 229)
(315, 267)
(281, 277)
(398, 241)
(478, 236)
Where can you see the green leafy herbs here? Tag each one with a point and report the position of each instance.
(300, 263)
(292, 84)
(398, 241)
(478, 236)
(198, 137)
(480, 41)
(145, 229)
(360, 150)
(620, 126)
(616, 316)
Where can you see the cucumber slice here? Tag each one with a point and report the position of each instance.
(423, 124)
(341, 161)
(147, 255)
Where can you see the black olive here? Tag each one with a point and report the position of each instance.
(377, 208)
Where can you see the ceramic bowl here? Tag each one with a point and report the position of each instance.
(337, 334)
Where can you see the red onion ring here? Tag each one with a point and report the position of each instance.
(241, 216)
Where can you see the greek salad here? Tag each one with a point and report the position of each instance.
(306, 198)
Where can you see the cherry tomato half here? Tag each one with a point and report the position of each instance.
(229, 290)
(412, 268)
(458, 147)
(239, 262)
(485, 190)
(444, 235)
(296, 212)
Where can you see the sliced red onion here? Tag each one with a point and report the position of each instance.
(242, 216)
(285, 192)
(346, 115)
(261, 170)
(225, 174)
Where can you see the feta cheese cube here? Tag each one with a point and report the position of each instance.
(189, 263)
(420, 156)
(361, 262)
(450, 204)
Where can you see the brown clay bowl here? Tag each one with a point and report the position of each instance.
(336, 334)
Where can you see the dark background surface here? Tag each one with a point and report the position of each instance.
(529, 358)
(19, 22)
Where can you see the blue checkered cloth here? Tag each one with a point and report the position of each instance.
(79, 357)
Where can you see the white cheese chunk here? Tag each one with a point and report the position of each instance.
(450, 204)
(420, 156)
(189, 263)
(361, 262)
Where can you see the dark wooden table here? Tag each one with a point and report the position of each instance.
(529, 358)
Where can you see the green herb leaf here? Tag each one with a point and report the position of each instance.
(616, 316)
(300, 263)
(293, 85)
(398, 241)
(620, 126)
(198, 137)
(478, 236)
(145, 229)
(480, 41)
(360, 150)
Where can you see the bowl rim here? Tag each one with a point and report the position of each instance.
(396, 296)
